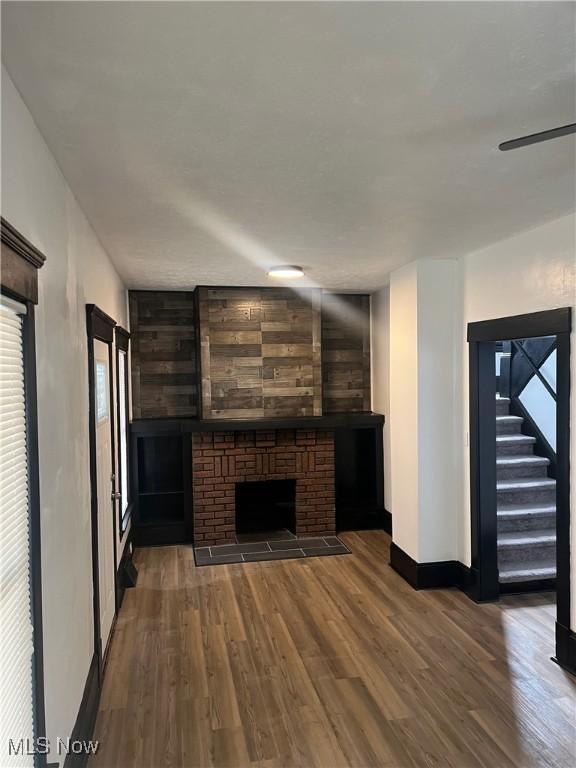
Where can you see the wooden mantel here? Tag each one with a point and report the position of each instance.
(331, 421)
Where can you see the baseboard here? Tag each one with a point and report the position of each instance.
(452, 573)
(387, 521)
(127, 575)
(446, 573)
(566, 648)
(166, 535)
(86, 719)
(403, 564)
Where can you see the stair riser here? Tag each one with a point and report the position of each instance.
(518, 449)
(526, 553)
(508, 427)
(532, 497)
(511, 473)
(508, 579)
(519, 523)
(502, 409)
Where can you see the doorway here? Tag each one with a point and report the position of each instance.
(526, 463)
(104, 488)
(100, 329)
(482, 338)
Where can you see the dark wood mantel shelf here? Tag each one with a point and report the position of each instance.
(183, 425)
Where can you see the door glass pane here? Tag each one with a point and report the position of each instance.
(122, 431)
(101, 391)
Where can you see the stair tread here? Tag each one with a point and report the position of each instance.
(506, 417)
(500, 399)
(520, 511)
(519, 438)
(516, 461)
(530, 571)
(526, 508)
(523, 538)
(525, 484)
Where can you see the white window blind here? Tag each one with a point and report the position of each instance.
(16, 630)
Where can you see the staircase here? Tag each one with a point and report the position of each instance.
(526, 504)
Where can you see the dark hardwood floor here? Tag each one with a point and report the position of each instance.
(328, 662)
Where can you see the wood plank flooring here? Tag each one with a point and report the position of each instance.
(328, 662)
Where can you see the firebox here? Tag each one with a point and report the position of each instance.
(265, 506)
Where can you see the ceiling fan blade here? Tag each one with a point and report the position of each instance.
(534, 138)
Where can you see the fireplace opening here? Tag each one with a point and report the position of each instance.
(266, 507)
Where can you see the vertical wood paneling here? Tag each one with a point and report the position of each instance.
(346, 353)
(317, 351)
(202, 330)
(260, 352)
(163, 355)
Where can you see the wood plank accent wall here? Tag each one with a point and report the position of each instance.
(164, 369)
(260, 352)
(346, 353)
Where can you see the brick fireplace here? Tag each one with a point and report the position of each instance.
(222, 459)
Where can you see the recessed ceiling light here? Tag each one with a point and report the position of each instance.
(286, 271)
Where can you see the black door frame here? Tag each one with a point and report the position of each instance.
(100, 326)
(484, 571)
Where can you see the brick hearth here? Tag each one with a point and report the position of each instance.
(222, 459)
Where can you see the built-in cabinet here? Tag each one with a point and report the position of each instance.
(163, 471)
(359, 461)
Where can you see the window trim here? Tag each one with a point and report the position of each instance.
(20, 282)
(122, 339)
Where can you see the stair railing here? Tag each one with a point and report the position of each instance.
(525, 362)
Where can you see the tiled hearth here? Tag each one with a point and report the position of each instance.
(222, 459)
(284, 546)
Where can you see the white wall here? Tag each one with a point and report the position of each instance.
(437, 384)
(38, 202)
(380, 368)
(403, 413)
(421, 409)
(531, 272)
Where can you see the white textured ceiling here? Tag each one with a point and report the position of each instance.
(207, 140)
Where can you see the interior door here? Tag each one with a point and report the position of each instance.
(105, 489)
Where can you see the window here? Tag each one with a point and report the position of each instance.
(21, 675)
(17, 687)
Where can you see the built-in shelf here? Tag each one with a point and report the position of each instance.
(162, 473)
